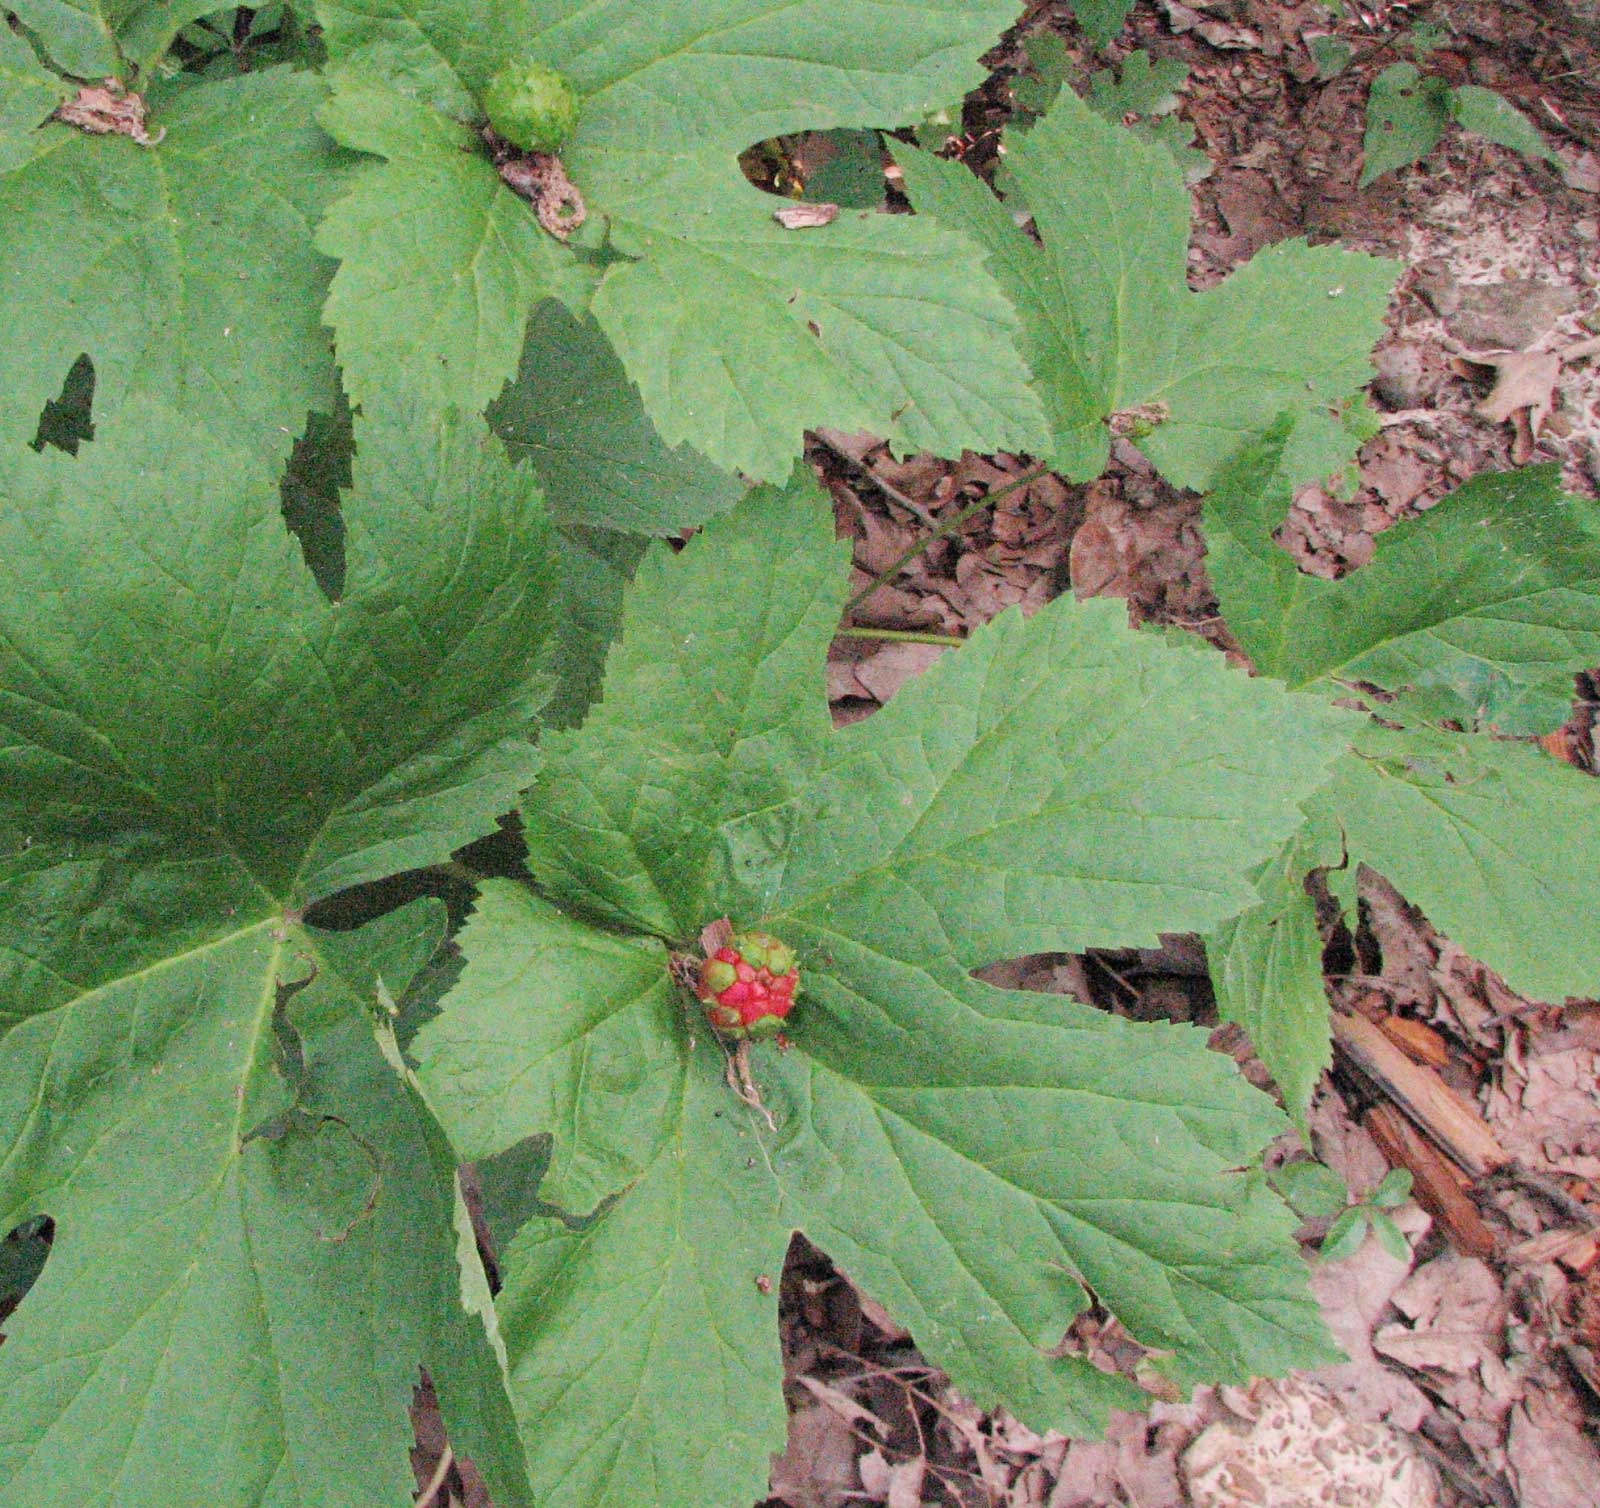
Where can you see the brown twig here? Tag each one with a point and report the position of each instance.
(945, 527)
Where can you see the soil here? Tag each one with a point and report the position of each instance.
(1474, 1362)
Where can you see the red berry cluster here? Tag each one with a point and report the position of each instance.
(748, 986)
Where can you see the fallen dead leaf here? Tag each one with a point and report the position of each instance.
(818, 1466)
(1525, 386)
(885, 672)
(842, 1404)
(1553, 1462)
(1457, 1313)
(1353, 1295)
(1303, 1449)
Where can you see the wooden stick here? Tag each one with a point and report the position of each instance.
(1438, 1185)
(1426, 1099)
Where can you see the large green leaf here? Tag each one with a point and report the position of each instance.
(1482, 609)
(1478, 612)
(185, 270)
(255, 1225)
(976, 1158)
(205, 1323)
(1110, 325)
(739, 333)
(440, 263)
(1496, 842)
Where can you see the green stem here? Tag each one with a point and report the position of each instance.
(898, 636)
(946, 526)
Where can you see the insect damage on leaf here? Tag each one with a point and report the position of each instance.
(532, 110)
(541, 178)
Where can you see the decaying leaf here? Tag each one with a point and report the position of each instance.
(108, 110)
(1525, 387)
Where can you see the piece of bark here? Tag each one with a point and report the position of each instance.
(1437, 1184)
(1417, 1041)
(1425, 1098)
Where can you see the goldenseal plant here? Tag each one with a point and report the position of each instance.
(1462, 636)
(875, 322)
(977, 1159)
(353, 355)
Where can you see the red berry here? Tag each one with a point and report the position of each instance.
(748, 986)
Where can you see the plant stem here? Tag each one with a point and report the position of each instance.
(425, 1499)
(946, 526)
(898, 636)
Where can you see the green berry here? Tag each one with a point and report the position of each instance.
(532, 106)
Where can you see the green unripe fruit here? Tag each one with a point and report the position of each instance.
(532, 106)
(718, 976)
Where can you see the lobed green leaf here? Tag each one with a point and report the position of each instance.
(739, 333)
(1110, 325)
(185, 270)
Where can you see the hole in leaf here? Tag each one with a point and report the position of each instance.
(68, 421)
(843, 167)
(22, 1257)
(319, 468)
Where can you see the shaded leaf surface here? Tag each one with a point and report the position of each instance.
(194, 745)
(578, 422)
(972, 1156)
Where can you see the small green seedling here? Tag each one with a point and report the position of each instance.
(1315, 1192)
(1408, 114)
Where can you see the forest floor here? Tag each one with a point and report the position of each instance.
(1474, 1370)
